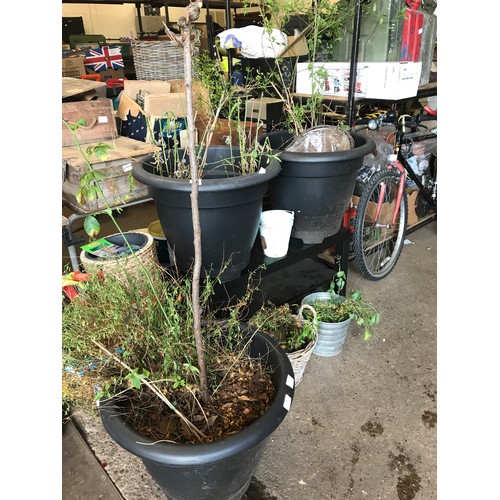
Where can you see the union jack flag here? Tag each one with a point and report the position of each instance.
(104, 58)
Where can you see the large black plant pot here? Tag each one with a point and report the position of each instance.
(230, 208)
(317, 187)
(220, 470)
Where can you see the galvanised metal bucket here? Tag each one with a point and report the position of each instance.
(331, 336)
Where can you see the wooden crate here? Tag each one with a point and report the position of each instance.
(99, 117)
(118, 184)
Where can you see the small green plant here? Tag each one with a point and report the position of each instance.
(354, 306)
(290, 330)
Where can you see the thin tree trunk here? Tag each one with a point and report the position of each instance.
(185, 23)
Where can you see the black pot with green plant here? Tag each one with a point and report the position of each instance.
(131, 349)
(232, 180)
(222, 468)
(230, 205)
(193, 396)
(318, 176)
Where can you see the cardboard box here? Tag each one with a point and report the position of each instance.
(172, 105)
(107, 74)
(134, 87)
(267, 109)
(412, 194)
(296, 46)
(118, 184)
(73, 66)
(386, 211)
(158, 99)
(393, 80)
(374, 80)
(225, 134)
(138, 124)
(99, 118)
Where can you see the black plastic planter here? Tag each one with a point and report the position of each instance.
(317, 187)
(220, 470)
(230, 208)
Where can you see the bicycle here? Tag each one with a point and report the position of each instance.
(381, 215)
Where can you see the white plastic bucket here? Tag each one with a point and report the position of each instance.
(275, 230)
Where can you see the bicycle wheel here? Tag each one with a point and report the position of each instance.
(377, 244)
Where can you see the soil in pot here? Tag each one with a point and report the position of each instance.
(244, 395)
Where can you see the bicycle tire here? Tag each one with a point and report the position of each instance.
(376, 245)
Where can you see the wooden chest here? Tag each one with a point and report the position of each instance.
(100, 121)
(118, 185)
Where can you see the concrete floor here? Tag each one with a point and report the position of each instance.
(362, 424)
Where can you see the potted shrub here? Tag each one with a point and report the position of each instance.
(296, 334)
(334, 314)
(131, 347)
(230, 206)
(315, 183)
(232, 180)
(161, 366)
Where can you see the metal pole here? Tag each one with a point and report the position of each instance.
(211, 37)
(229, 54)
(354, 62)
(139, 18)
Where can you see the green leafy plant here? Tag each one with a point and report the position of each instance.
(290, 330)
(354, 306)
(220, 104)
(116, 323)
(326, 24)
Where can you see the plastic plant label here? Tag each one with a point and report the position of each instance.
(102, 119)
(287, 403)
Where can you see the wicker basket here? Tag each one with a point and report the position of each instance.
(126, 266)
(157, 60)
(300, 358)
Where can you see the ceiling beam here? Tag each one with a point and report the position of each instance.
(213, 4)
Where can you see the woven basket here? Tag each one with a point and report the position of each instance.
(300, 358)
(126, 266)
(157, 60)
